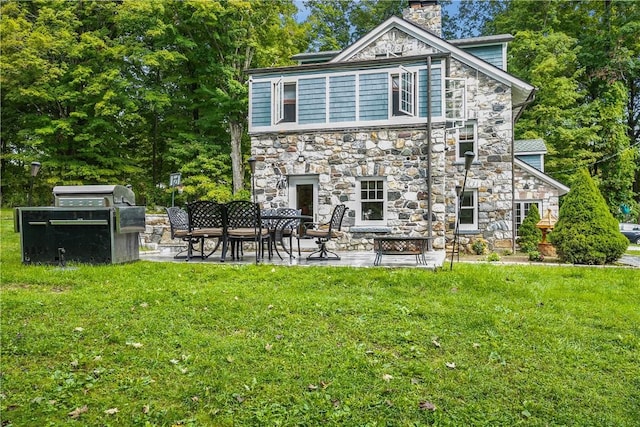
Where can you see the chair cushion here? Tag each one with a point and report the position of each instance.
(317, 233)
(246, 232)
(207, 232)
(181, 233)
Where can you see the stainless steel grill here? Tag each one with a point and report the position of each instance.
(94, 224)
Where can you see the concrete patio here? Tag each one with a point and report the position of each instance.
(435, 259)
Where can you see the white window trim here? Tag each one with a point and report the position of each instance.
(475, 140)
(277, 100)
(278, 125)
(521, 204)
(408, 88)
(358, 204)
(452, 86)
(474, 225)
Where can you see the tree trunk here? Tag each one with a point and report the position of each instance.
(236, 130)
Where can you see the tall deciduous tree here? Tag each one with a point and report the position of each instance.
(585, 63)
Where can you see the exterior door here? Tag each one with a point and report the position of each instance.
(303, 194)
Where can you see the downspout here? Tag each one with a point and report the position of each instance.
(522, 106)
(429, 176)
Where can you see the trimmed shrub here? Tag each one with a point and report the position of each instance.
(529, 234)
(586, 231)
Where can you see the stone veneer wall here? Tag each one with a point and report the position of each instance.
(428, 17)
(531, 188)
(338, 157)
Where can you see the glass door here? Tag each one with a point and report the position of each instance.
(303, 194)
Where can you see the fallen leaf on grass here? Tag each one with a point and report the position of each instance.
(145, 409)
(268, 347)
(195, 399)
(111, 411)
(312, 387)
(450, 365)
(78, 329)
(78, 411)
(435, 343)
(387, 377)
(134, 344)
(427, 406)
(230, 359)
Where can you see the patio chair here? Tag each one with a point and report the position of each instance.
(291, 228)
(207, 221)
(179, 227)
(323, 233)
(245, 224)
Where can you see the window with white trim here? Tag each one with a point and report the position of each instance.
(467, 138)
(522, 210)
(372, 201)
(284, 102)
(403, 93)
(455, 98)
(469, 210)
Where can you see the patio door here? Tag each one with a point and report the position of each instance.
(303, 194)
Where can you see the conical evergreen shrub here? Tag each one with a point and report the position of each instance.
(529, 234)
(586, 231)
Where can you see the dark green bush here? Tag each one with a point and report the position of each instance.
(529, 234)
(586, 231)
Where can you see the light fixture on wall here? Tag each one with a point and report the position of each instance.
(468, 161)
(35, 168)
(301, 158)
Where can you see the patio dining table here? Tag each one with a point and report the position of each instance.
(280, 223)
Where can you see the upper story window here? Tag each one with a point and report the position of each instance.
(284, 101)
(403, 93)
(467, 137)
(469, 210)
(372, 204)
(455, 98)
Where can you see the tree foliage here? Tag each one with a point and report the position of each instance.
(130, 91)
(585, 62)
(586, 232)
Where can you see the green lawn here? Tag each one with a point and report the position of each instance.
(209, 344)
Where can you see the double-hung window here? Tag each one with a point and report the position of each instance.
(372, 203)
(284, 102)
(466, 140)
(469, 210)
(403, 93)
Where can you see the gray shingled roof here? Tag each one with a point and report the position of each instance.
(523, 146)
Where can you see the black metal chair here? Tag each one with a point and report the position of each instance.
(323, 233)
(245, 224)
(207, 220)
(179, 226)
(291, 228)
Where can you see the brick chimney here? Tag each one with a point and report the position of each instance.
(426, 14)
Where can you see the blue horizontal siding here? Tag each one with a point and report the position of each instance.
(491, 54)
(261, 103)
(342, 98)
(534, 160)
(436, 92)
(312, 106)
(374, 96)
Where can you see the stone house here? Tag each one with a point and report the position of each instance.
(383, 126)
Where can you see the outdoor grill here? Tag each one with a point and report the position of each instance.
(93, 224)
